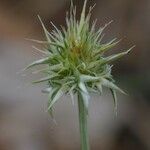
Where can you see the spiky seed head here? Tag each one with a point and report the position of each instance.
(75, 59)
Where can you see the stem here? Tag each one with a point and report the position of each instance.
(83, 124)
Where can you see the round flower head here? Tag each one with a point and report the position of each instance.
(75, 60)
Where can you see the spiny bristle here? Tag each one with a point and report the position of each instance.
(75, 58)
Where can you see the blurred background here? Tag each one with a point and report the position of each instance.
(24, 121)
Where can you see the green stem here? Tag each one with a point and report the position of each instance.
(83, 124)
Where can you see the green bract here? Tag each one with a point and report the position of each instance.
(75, 59)
(75, 63)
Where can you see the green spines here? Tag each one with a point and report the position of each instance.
(75, 58)
(76, 63)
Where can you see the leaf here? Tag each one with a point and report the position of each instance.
(58, 31)
(115, 56)
(41, 51)
(45, 79)
(45, 30)
(82, 87)
(92, 90)
(45, 42)
(51, 112)
(54, 96)
(40, 70)
(50, 95)
(48, 35)
(100, 31)
(37, 41)
(105, 47)
(82, 18)
(55, 67)
(88, 78)
(51, 92)
(115, 100)
(99, 86)
(38, 62)
(71, 93)
(111, 85)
